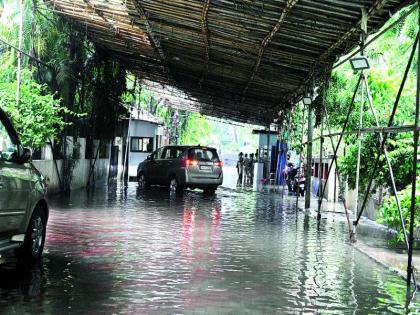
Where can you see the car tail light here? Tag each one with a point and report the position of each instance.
(191, 163)
(218, 163)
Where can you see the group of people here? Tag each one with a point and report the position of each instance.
(245, 168)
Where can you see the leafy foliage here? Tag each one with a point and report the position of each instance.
(384, 78)
(388, 214)
(39, 115)
(109, 85)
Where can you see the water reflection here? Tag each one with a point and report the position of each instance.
(25, 282)
(129, 251)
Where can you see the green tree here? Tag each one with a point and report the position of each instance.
(39, 115)
(388, 65)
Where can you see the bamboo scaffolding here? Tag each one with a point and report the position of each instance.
(378, 130)
(262, 52)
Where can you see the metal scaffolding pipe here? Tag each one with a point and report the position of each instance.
(300, 156)
(359, 149)
(320, 166)
(337, 177)
(388, 161)
(390, 122)
(350, 109)
(379, 130)
(414, 170)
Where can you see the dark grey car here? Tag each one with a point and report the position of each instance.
(182, 167)
(23, 205)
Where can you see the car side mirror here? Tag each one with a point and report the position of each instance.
(149, 157)
(25, 155)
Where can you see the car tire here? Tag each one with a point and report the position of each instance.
(31, 250)
(142, 181)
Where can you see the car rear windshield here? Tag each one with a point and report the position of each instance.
(173, 152)
(203, 154)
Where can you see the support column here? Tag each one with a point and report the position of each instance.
(280, 156)
(414, 171)
(300, 156)
(359, 151)
(359, 134)
(309, 161)
(127, 143)
(321, 170)
(268, 154)
(335, 185)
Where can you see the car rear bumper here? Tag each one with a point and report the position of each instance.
(200, 181)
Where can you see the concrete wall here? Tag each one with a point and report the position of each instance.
(372, 206)
(262, 140)
(48, 168)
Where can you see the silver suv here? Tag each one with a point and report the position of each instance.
(180, 167)
(23, 205)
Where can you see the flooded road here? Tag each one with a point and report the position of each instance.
(119, 250)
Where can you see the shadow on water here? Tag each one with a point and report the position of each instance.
(22, 281)
(56, 285)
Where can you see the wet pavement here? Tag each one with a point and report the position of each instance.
(120, 250)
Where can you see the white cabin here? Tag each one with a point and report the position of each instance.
(145, 134)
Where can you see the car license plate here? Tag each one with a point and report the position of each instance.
(205, 168)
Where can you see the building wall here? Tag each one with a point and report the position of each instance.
(372, 205)
(373, 202)
(48, 167)
(262, 140)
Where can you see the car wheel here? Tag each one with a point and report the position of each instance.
(174, 187)
(31, 249)
(143, 183)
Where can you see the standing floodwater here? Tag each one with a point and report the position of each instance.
(127, 251)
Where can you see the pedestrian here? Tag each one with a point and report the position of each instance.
(251, 169)
(240, 168)
(246, 169)
(265, 167)
(291, 174)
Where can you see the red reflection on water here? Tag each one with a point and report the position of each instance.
(200, 237)
(188, 219)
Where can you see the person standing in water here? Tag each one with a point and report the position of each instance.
(246, 169)
(240, 168)
(251, 169)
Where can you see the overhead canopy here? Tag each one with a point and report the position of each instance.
(237, 59)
